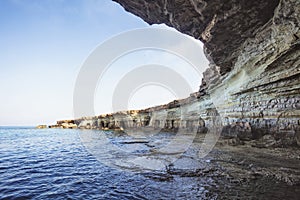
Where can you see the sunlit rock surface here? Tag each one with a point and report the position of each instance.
(66, 124)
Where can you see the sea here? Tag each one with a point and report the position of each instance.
(55, 164)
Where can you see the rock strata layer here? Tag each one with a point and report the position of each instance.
(254, 50)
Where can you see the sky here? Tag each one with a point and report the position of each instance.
(43, 45)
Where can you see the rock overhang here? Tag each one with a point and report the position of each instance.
(222, 25)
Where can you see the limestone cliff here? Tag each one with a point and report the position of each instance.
(254, 50)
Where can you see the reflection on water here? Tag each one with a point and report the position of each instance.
(54, 164)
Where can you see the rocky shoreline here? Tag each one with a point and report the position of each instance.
(249, 96)
(254, 53)
(242, 163)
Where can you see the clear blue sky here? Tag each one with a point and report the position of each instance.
(43, 44)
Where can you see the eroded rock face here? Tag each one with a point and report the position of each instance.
(254, 50)
(223, 26)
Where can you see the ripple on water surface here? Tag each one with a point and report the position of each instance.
(53, 164)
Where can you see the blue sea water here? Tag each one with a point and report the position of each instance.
(54, 164)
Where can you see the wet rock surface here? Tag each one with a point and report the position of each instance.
(240, 130)
(226, 172)
(244, 172)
